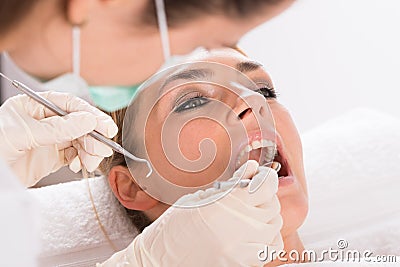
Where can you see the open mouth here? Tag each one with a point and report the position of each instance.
(284, 170)
(267, 153)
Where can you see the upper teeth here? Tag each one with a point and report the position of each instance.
(258, 144)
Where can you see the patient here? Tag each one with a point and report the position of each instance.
(192, 115)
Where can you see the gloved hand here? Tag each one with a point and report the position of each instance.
(228, 232)
(35, 142)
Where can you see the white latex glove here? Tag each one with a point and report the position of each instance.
(228, 232)
(34, 142)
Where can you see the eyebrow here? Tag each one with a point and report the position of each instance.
(248, 66)
(191, 75)
(199, 74)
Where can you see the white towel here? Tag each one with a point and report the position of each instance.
(353, 175)
(70, 234)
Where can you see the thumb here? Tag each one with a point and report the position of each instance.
(56, 130)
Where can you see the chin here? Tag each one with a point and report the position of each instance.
(294, 209)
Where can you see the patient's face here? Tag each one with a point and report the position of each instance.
(211, 126)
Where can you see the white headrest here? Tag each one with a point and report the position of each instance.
(353, 175)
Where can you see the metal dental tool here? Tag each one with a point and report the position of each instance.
(96, 135)
(245, 182)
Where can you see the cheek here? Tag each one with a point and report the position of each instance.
(289, 134)
(201, 137)
(291, 141)
(206, 142)
(294, 201)
(196, 155)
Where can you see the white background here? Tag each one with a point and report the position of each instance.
(329, 56)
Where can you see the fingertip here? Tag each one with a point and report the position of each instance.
(70, 154)
(106, 126)
(112, 130)
(92, 162)
(94, 147)
(75, 165)
(92, 168)
(108, 152)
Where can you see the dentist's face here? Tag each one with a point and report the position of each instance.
(116, 47)
(214, 126)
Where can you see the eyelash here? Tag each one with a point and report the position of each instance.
(268, 93)
(198, 97)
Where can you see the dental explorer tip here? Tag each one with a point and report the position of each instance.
(276, 166)
(150, 170)
(5, 77)
(13, 82)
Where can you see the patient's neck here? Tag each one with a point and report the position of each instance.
(156, 211)
(291, 242)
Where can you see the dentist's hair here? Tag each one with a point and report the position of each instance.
(180, 11)
(12, 12)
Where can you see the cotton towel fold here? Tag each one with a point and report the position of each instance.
(70, 234)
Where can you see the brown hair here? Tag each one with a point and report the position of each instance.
(138, 218)
(116, 159)
(180, 11)
(12, 12)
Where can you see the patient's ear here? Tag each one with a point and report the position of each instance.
(128, 191)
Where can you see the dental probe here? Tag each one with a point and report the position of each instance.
(96, 135)
(245, 182)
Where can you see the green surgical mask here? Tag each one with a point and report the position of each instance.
(112, 98)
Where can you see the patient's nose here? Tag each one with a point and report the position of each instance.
(251, 106)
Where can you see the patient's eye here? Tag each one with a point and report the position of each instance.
(267, 92)
(192, 103)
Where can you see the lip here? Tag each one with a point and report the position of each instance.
(289, 178)
(286, 180)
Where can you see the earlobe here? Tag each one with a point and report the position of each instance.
(78, 11)
(127, 191)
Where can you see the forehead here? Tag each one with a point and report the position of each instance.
(232, 58)
(227, 56)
